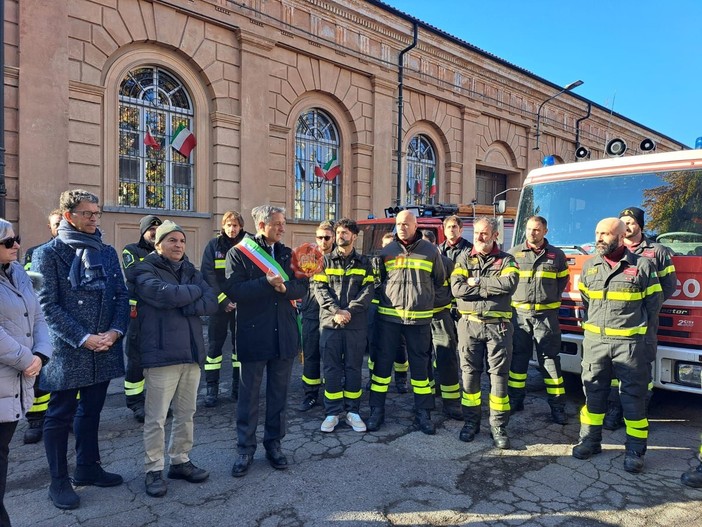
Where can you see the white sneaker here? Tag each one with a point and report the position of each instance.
(329, 423)
(355, 422)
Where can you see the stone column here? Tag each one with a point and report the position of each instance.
(471, 137)
(382, 177)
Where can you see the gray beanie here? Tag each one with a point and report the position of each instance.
(166, 227)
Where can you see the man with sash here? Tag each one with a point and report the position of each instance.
(261, 282)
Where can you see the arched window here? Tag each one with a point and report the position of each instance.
(317, 167)
(421, 184)
(156, 117)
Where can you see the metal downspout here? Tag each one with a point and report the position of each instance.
(400, 86)
(577, 125)
(3, 188)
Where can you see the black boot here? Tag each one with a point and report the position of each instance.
(558, 415)
(590, 442)
(401, 381)
(376, 418)
(633, 461)
(34, 433)
(422, 421)
(499, 437)
(469, 431)
(212, 394)
(235, 384)
(693, 477)
(452, 409)
(62, 494)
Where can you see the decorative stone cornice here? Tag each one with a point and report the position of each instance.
(360, 148)
(87, 89)
(225, 120)
(279, 129)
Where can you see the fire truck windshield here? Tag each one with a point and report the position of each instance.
(672, 202)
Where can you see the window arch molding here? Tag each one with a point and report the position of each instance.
(150, 56)
(347, 137)
(441, 154)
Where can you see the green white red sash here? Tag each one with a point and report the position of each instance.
(261, 258)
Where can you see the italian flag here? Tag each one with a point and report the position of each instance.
(432, 184)
(183, 140)
(329, 171)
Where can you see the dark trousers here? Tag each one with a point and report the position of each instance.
(277, 382)
(63, 407)
(134, 373)
(342, 353)
(6, 432)
(444, 340)
(38, 410)
(540, 330)
(374, 330)
(478, 342)
(418, 340)
(219, 325)
(311, 366)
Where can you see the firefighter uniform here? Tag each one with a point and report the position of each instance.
(621, 306)
(693, 477)
(485, 332)
(345, 283)
(456, 250)
(543, 276)
(222, 322)
(661, 258)
(132, 254)
(444, 342)
(410, 275)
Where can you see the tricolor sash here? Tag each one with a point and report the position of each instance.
(261, 258)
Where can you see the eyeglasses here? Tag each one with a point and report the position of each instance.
(88, 214)
(325, 238)
(9, 243)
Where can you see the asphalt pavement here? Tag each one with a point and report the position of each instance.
(396, 476)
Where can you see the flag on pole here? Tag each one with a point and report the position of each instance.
(301, 170)
(418, 187)
(409, 186)
(432, 184)
(329, 171)
(183, 140)
(150, 141)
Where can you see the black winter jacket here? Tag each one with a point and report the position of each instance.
(170, 306)
(213, 258)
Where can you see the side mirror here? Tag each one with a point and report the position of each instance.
(501, 206)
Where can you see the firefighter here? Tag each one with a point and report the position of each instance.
(132, 254)
(543, 276)
(693, 477)
(344, 291)
(483, 282)
(410, 272)
(636, 242)
(224, 321)
(444, 341)
(35, 415)
(455, 244)
(621, 295)
(311, 365)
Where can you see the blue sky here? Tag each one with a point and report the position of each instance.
(644, 56)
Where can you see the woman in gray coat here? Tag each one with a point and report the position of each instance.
(24, 347)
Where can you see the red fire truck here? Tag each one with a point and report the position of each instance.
(574, 197)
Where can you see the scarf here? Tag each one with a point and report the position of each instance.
(87, 269)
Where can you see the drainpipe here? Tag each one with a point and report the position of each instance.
(400, 85)
(577, 125)
(3, 189)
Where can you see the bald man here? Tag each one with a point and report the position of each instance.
(622, 296)
(410, 271)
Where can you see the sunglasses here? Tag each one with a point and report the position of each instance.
(87, 214)
(9, 243)
(325, 238)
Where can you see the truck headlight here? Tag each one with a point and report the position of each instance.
(689, 374)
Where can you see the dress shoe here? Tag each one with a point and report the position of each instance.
(693, 478)
(499, 437)
(376, 418)
(309, 402)
(155, 484)
(633, 462)
(586, 449)
(469, 431)
(95, 475)
(62, 494)
(276, 458)
(559, 416)
(423, 422)
(188, 472)
(241, 465)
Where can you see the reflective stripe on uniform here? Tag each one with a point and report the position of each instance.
(536, 307)
(470, 399)
(311, 382)
(554, 386)
(421, 387)
(133, 388)
(213, 363)
(353, 395)
(440, 309)
(517, 380)
(219, 264)
(638, 429)
(499, 404)
(415, 264)
(587, 418)
(450, 391)
(221, 297)
(41, 403)
(404, 313)
(333, 396)
(614, 332)
(401, 367)
(379, 384)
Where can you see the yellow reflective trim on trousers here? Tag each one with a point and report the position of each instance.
(371, 364)
(375, 301)
(380, 380)
(536, 307)
(320, 278)
(311, 382)
(43, 398)
(650, 386)
(440, 309)
(409, 263)
(132, 302)
(516, 384)
(518, 376)
(700, 449)
(615, 332)
(335, 396)
(422, 387)
(555, 390)
(638, 429)
(380, 388)
(213, 363)
(553, 382)
(401, 367)
(404, 313)
(460, 272)
(500, 404)
(133, 388)
(666, 271)
(614, 383)
(640, 423)
(221, 297)
(353, 395)
(509, 270)
(470, 399)
(587, 418)
(219, 264)
(39, 407)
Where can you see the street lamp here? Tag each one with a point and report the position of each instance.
(566, 88)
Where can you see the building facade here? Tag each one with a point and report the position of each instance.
(294, 103)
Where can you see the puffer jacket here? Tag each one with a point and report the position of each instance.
(498, 275)
(543, 277)
(344, 283)
(23, 332)
(409, 275)
(170, 306)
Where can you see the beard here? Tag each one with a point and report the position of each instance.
(343, 242)
(605, 249)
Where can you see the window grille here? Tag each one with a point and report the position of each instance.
(421, 172)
